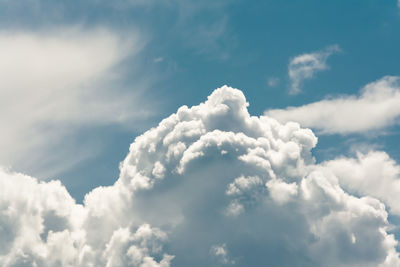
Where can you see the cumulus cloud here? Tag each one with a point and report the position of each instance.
(373, 174)
(41, 225)
(56, 80)
(169, 205)
(304, 66)
(376, 107)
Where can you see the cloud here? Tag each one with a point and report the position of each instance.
(60, 82)
(304, 66)
(41, 225)
(212, 38)
(220, 252)
(375, 108)
(57, 80)
(171, 202)
(158, 60)
(373, 174)
(273, 81)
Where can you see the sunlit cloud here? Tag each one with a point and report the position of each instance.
(305, 66)
(374, 109)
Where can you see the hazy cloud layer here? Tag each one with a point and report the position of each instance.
(305, 66)
(54, 81)
(209, 185)
(376, 107)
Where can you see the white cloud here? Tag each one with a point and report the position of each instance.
(375, 108)
(133, 249)
(280, 191)
(304, 66)
(57, 80)
(41, 225)
(177, 182)
(373, 174)
(220, 252)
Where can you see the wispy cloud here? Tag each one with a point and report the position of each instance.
(212, 39)
(158, 59)
(375, 108)
(304, 66)
(273, 81)
(56, 81)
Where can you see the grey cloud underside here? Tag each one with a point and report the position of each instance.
(209, 186)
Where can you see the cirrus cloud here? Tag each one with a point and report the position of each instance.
(58, 80)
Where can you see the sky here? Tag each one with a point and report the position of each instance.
(199, 133)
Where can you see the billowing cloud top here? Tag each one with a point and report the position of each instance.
(210, 185)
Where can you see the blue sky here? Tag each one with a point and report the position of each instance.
(82, 79)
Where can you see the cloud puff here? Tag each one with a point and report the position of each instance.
(373, 174)
(375, 108)
(304, 66)
(41, 225)
(220, 252)
(205, 176)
